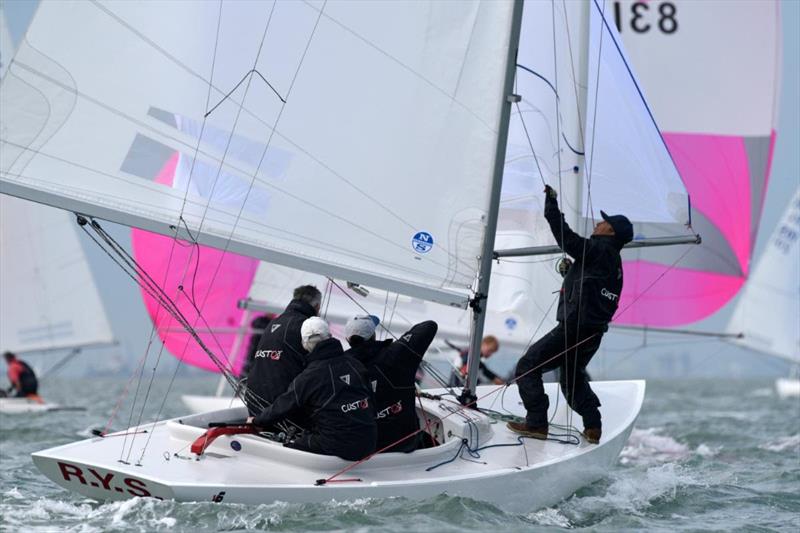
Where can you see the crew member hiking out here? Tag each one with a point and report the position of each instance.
(391, 371)
(280, 356)
(589, 298)
(23, 380)
(333, 396)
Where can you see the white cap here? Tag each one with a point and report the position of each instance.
(313, 331)
(361, 326)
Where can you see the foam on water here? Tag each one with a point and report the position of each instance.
(784, 443)
(647, 446)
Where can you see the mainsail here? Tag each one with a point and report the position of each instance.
(49, 298)
(768, 311)
(373, 128)
(719, 126)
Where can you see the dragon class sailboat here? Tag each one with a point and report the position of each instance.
(379, 131)
(50, 303)
(775, 285)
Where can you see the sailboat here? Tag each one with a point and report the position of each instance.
(50, 303)
(380, 133)
(768, 312)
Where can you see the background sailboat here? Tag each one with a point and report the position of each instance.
(768, 311)
(50, 302)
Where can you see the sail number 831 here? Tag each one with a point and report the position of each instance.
(646, 16)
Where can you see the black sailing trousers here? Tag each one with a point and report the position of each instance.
(572, 371)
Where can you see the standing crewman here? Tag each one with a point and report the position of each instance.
(391, 370)
(280, 355)
(23, 380)
(589, 298)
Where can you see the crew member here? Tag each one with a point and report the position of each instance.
(333, 396)
(259, 325)
(489, 346)
(23, 380)
(589, 298)
(391, 370)
(280, 355)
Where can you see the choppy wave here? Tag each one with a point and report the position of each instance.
(782, 444)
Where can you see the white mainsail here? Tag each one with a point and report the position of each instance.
(768, 311)
(49, 298)
(353, 176)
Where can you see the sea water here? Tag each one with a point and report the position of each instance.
(705, 456)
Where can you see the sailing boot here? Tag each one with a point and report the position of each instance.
(527, 431)
(592, 435)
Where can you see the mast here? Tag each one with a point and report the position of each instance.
(479, 300)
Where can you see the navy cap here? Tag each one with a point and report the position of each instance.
(623, 229)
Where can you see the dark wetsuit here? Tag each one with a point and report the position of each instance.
(22, 378)
(261, 323)
(334, 397)
(588, 301)
(391, 369)
(280, 356)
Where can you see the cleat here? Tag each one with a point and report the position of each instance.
(526, 431)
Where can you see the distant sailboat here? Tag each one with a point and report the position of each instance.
(48, 299)
(768, 311)
(381, 131)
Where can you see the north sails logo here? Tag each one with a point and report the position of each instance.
(352, 406)
(393, 409)
(272, 354)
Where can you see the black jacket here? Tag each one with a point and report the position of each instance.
(391, 369)
(332, 394)
(260, 322)
(280, 356)
(590, 304)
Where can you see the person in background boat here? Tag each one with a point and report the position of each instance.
(391, 371)
(489, 346)
(280, 355)
(589, 298)
(259, 325)
(333, 396)
(23, 380)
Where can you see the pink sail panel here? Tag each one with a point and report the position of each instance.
(716, 173)
(681, 296)
(219, 280)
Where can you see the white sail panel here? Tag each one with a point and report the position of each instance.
(629, 169)
(48, 298)
(768, 310)
(376, 169)
(513, 315)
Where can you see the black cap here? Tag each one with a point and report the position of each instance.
(623, 229)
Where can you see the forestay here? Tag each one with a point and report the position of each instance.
(375, 169)
(768, 311)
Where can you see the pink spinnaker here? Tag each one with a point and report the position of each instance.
(218, 280)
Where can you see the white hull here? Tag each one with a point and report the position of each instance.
(788, 387)
(516, 478)
(202, 404)
(18, 406)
